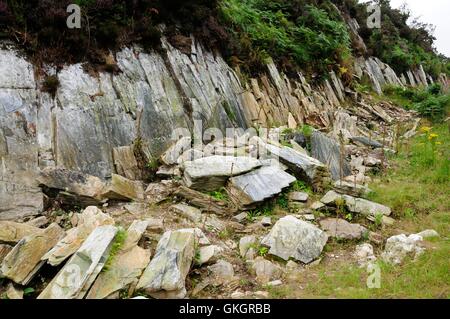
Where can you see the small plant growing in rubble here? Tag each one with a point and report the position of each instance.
(378, 220)
(119, 240)
(263, 251)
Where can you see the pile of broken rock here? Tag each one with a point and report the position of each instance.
(130, 239)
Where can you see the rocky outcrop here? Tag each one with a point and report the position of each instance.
(98, 124)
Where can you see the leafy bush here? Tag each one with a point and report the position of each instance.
(301, 35)
(430, 102)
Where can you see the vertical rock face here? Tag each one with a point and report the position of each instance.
(92, 121)
(19, 196)
(165, 276)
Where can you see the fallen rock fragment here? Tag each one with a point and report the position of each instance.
(159, 192)
(208, 254)
(401, 246)
(293, 238)
(191, 213)
(327, 151)
(265, 270)
(76, 277)
(356, 205)
(364, 254)
(121, 188)
(126, 266)
(203, 201)
(366, 141)
(247, 246)
(13, 292)
(222, 272)
(24, 260)
(429, 233)
(211, 173)
(126, 163)
(12, 232)
(75, 188)
(38, 221)
(165, 276)
(304, 167)
(341, 229)
(252, 188)
(4, 250)
(298, 197)
(352, 189)
(91, 218)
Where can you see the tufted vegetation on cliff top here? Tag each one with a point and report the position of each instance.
(308, 34)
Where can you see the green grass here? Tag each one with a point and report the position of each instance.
(416, 187)
(220, 195)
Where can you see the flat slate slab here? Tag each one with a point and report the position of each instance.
(75, 278)
(211, 173)
(24, 260)
(254, 187)
(356, 205)
(165, 276)
(126, 267)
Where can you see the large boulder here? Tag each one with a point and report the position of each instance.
(165, 276)
(252, 188)
(297, 239)
(211, 173)
(76, 277)
(24, 260)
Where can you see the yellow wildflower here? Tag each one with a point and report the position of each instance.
(425, 129)
(438, 143)
(432, 136)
